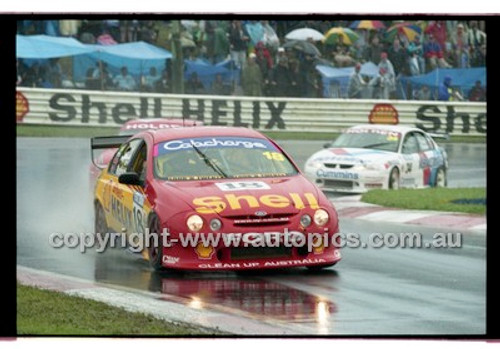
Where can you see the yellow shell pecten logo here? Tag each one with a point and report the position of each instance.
(204, 252)
(22, 106)
(384, 113)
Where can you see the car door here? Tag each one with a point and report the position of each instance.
(429, 160)
(410, 152)
(119, 196)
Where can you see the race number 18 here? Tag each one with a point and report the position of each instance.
(273, 156)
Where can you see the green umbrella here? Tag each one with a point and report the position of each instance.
(332, 36)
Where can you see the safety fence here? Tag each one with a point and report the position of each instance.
(98, 108)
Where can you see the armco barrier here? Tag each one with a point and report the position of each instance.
(97, 108)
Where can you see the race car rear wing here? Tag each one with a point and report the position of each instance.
(107, 142)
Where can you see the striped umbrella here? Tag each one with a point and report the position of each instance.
(332, 36)
(370, 25)
(408, 29)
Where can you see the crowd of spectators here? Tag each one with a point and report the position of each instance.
(268, 69)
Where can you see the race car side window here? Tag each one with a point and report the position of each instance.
(423, 142)
(410, 144)
(121, 161)
(138, 163)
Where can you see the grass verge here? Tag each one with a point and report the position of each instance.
(64, 131)
(43, 312)
(86, 132)
(436, 199)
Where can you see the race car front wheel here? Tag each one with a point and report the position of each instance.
(394, 179)
(155, 247)
(441, 180)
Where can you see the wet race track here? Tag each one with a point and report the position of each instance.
(371, 291)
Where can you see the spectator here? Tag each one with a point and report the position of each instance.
(438, 31)
(477, 93)
(416, 61)
(112, 27)
(434, 54)
(281, 55)
(69, 27)
(422, 94)
(238, 39)
(381, 85)
(148, 32)
(389, 73)
(129, 30)
(295, 83)
(124, 81)
(265, 62)
(251, 77)
(106, 39)
(218, 86)
(342, 57)
(446, 92)
(399, 57)
(54, 73)
(194, 85)
(475, 40)
(91, 83)
(374, 50)
(101, 76)
(357, 84)
(309, 78)
(281, 79)
(150, 82)
(460, 47)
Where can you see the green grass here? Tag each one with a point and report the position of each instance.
(43, 312)
(436, 199)
(64, 131)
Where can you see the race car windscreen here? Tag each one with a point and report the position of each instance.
(220, 157)
(369, 139)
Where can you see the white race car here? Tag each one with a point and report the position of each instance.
(365, 157)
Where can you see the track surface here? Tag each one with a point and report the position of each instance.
(371, 291)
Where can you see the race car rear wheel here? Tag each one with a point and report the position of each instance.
(320, 267)
(441, 180)
(394, 179)
(155, 248)
(100, 225)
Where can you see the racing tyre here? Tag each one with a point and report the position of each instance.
(394, 179)
(320, 267)
(441, 180)
(155, 251)
(100, 224)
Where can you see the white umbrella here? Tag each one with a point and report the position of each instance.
(304, 34)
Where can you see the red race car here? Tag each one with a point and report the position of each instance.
(213, 198)
(130, 128)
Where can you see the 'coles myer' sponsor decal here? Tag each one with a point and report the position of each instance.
(217, 204)
(384, 114)
(233, 186)
(22, 106)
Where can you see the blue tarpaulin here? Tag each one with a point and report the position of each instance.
(463, 79)
(335, 80)
(138, 57)
(45, 47)
(207, 71)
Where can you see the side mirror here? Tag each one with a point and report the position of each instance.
(130, 178)
(327, 145)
